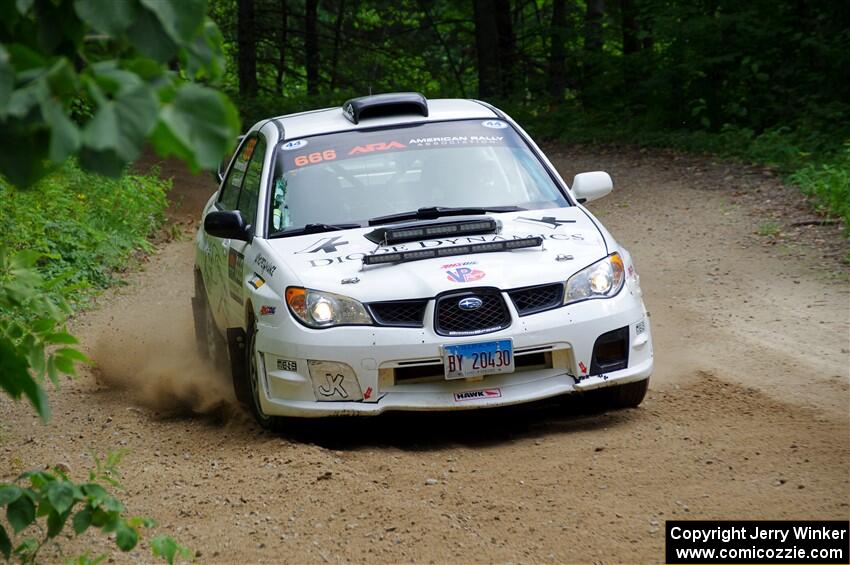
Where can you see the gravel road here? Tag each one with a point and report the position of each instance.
(746, 417)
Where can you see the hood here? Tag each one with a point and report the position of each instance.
(322, 261)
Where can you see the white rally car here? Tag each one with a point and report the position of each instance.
(400, 253)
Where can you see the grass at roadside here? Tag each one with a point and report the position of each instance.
(85, 227)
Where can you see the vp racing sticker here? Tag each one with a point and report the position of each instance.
(462, 272)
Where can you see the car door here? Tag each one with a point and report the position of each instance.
(247, 205)
(221, 265)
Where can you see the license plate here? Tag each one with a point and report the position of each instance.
(476, 359)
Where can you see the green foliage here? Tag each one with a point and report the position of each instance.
(761, 81)
(829, 185)
(94, 78)
(768, 229)
(82, 226)
(33, 342)
(40, 504)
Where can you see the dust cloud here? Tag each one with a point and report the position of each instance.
(150, 352)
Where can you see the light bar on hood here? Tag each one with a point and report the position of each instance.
(402, 234)
(406, 256)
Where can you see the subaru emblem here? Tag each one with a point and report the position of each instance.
(471, 303)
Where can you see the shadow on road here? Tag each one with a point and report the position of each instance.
(423, 431)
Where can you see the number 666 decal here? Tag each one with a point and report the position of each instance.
(314, 158)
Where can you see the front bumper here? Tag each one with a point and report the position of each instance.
(564, 336)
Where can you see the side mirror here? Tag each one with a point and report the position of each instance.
(227, 225)
(591, 186)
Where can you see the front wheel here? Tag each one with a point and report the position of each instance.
(252, 371)
(629, 395)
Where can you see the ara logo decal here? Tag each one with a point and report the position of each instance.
(368, 394)
(326, 244)
(294, 144)
(582, 366)
(376, 147)
(494, 124)
(478, 394)
(464, 274)
(550, 221)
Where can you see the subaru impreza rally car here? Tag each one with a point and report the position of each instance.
(400, 253)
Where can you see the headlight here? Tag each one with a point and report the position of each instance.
(324, 309)
(602, 279)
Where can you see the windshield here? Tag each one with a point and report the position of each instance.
(357, 175)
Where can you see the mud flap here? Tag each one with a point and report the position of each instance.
(198, 313)
(236, 349)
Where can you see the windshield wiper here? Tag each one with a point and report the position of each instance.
(435, 212)
(312, 228)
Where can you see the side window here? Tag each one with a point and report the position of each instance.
(229, 198)
(250, 195)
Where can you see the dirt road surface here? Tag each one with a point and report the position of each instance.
(747, 414)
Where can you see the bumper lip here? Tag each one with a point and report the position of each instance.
(550, 383)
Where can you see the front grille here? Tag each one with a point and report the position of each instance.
(532, 299)
(491, 316)
(405, 313)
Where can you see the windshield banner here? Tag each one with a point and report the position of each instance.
(300, 153)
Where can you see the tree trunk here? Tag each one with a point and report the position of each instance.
(507, 57)
(487, 49)
(593, 42)
(311, 46)
(629, 15)
(281, 46)
(247, 49)
(340, 14)
(631, 45)
(558, 52)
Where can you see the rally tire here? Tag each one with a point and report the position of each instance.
(629, 395)
(271, 423)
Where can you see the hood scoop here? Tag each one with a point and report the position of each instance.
(432, 230)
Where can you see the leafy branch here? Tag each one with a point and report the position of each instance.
(96, 79)
(53, 497)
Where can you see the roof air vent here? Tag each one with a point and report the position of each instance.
(381, 105)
